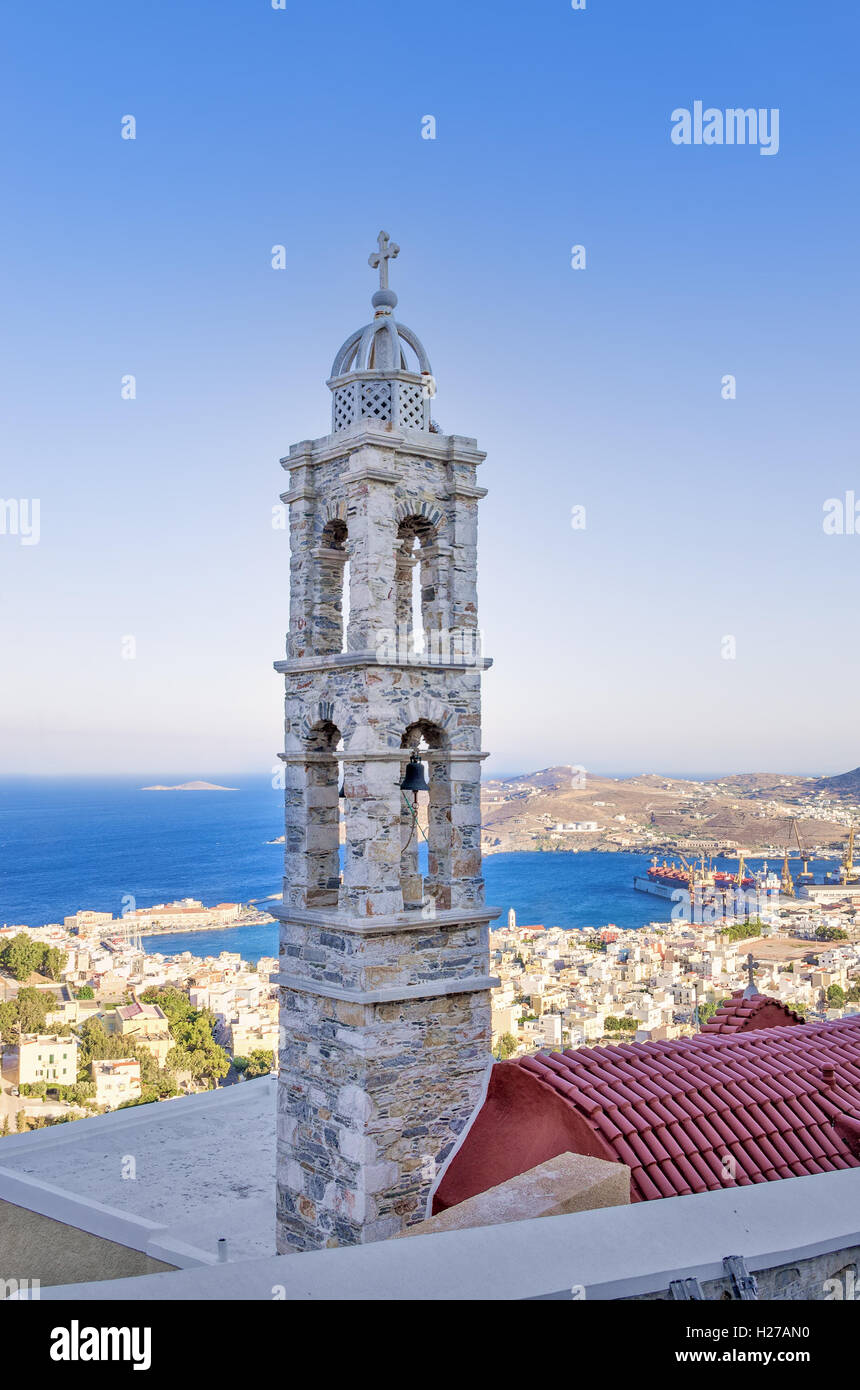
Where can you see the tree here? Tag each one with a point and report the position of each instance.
(199, 1053)
(20, 1121)
(53, 962)
(82, 1093)
(740, 931)
(835, 996)
(27, 1012)
(34, 1005)
(707, 1009)
(96, 1044)
(9, 1021)
(261, 1062)
(152, 1077)
(824, 933)
(176, 1005)
(22, 955)
(85, 992)
(195, 1049)
(507, 1046)
(147, 1095)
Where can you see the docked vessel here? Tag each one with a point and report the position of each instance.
(702, 880)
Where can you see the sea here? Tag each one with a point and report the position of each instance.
(104, 844)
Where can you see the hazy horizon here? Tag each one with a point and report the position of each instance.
(183, 775)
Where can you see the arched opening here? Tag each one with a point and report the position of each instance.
(417, 584)
(322, 810)
(425, 821)
(331, 606)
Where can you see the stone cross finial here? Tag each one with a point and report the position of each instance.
(750, 969)
(379, 259)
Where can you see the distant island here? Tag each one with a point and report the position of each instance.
(191, 787)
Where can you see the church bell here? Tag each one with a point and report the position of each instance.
(414, 779)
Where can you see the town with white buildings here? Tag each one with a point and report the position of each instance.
(90, 1021)
(562, 988)
(559, 988)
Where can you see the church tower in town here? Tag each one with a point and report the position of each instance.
(384, 961)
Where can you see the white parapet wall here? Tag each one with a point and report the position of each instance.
(794, 1235)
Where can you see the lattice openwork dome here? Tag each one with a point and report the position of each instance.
(382, 371)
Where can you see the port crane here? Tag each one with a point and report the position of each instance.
(806, 875)
(848, 872)
(786, 883)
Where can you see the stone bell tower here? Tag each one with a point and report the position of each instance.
(384, 967)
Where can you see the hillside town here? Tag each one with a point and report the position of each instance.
(90, 1022)
(561, 988)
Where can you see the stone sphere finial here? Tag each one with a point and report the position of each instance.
(384, 301)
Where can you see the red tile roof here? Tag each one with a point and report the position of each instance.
(673, 1111)
(686, 1115)
(739, 1014)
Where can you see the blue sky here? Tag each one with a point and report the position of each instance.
(600, 387)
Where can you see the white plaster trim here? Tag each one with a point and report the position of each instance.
(84, 1214)
(98, 1219)
(615, 1252)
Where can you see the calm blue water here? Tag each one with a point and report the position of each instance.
(70, 843)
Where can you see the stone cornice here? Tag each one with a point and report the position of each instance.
(371, 475)
(447, 448)
(327, 552)
(394, 922)
(431, 755)
(298, 665)
(465, 490)
(375, 374)
(388, 996)
(299, 494)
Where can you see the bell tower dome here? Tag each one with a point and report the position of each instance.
(373, 376)
(384, 937)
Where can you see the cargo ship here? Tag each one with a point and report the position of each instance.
(664, 880)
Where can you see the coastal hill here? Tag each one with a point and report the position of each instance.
(191, 787)
(847, 784)
(566, 808)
